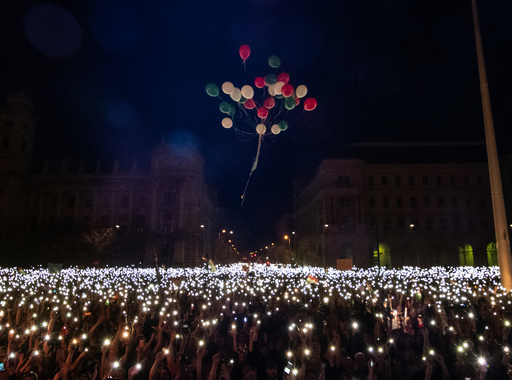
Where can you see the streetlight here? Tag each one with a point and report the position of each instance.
(293, 233)
(286, 237)
(202, 240)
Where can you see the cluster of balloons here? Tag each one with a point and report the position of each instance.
(265, 112)
(278, 94)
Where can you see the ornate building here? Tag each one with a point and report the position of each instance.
(164, 212)
(422, 204)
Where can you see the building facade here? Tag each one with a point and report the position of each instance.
(162, 214)
(421, 204)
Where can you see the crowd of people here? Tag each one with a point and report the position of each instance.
(254, 322)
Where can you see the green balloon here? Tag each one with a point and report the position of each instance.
(242, 100)
(283, 125)
(289, 103)
(212, 90)
(279, 96)
(270, 79)
(225, 107)
(274, 61)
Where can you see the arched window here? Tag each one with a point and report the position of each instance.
(141, 224)
(492, 254)
(385, 255)
(466, 256)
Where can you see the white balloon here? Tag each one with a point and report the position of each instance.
(278, 86)
(227, 87)
(275, 129)
(301, 91)
(236, 95)
(272, 90)
(260, 128)
(247, 92)
(227, 122)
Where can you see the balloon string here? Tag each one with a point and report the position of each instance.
(252, 169)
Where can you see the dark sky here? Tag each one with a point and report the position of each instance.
(109, 78)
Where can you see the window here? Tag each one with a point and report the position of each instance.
(385, 202)
(106, 201)
(142, 200)
(345, 222)
(426, 202)
(428, 224)
(400, 224)
(124, 201)
(455, 202)
(439, 180)
(370, 180)
(452, 180)
(413, 202)
(33, 223)
(168, 224)
(23, 145)
(411, 180)
(169, 198)
(373, 224)
(387, 223)
(71, 201)
(53, 201)
(36, 201)
(88, 201)
(440, 201)
(471, 224)
(466, 180)
(399, 202)
(6, 142)
(443, 224)
(372, 202)
(384, 180)
(456, 223)
(123, 223)
(104, 221)
(469, 204)
(50, 225)
(342, 181)
(398, 181)
(141, 224)
(425, 180)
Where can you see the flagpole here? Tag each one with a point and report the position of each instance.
(498, 204)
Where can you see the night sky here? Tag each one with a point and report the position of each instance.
(109, 78)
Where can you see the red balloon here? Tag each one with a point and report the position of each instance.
(249, 104)
(244, 51)
(287, 90)
(269, 103)
(297, 101)
(310, 104)
(262, 112)
(259, 82)
(283, 77)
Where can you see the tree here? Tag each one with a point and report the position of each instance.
(100, 239)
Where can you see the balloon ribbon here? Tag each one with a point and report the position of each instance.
(254, 165)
